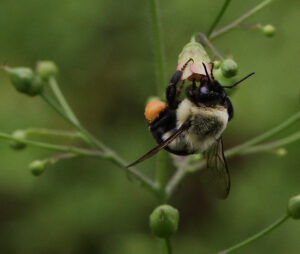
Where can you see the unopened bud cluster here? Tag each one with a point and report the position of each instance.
(26, 81)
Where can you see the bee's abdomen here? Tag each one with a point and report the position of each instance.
(204, 126)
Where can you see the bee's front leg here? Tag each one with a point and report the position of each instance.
(171, 91)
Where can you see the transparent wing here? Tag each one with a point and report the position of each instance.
(162, 145)
(217, 179)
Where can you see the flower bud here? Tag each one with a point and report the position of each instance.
(24, 80)
(46, 69)
(20, 135)
(164, 221)
(37, 167)
(268, 30)
(217, 64)
(294, 207)
(281, 152)
(229, 68)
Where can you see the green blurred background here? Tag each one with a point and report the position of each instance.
(104, 50)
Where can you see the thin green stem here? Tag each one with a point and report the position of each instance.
(168, 245)
(61, 99)
(158, 47)
(218, 18)
(60, 148)
(264, 136)
(257, 236)
(202, 38)
(108, 155)
(50, 132)
(85, 134)
(238, 21)
(273, 145)
(161, 175)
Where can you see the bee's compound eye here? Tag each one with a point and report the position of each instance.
(204, 90)
(153, 109)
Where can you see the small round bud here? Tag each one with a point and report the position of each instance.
(37, 167)
(229, 68)
(164, 221)
(46, 69)
(281, 152)
(217, 64)
(20, 135)
(268, 30)
(24, 80)
(294, 207)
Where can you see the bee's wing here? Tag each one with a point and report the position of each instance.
(217, 174)
(162, 145)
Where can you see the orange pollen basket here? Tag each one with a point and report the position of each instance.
(153, 109)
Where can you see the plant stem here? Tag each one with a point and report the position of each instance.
(202, 38)
(238, 21)
(218, 18)
(168, 245)
(257, 236)
(61, 99)
(264, 136)
(60, 148)
(108, 155)
(50, 132)
(273, 145)
(85, 134)
(158, 47)
(161, 175)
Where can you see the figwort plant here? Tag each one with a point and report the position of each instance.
(164, 219)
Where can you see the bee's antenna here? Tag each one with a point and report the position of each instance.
(236, 83)
(206, 72)
(212, 68)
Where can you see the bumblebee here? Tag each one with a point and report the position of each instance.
(194, 124)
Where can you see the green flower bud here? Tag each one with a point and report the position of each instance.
(46, 69)
(24, 80)
(268, 30)
(164, 221)
(217, 64)
(229, 68)
(281, 152)
(37, 167)
(20, 135)
(294, 207)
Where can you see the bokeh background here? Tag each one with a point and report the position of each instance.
(104, 50)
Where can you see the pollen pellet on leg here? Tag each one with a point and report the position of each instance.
(153, 109)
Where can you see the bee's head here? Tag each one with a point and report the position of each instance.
(210, 92)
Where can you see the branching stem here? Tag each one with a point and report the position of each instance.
(218, 18)
(238, 21)
(257, 236)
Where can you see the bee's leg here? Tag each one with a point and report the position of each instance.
(180, 88)
(229, 108)
(171, 91)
